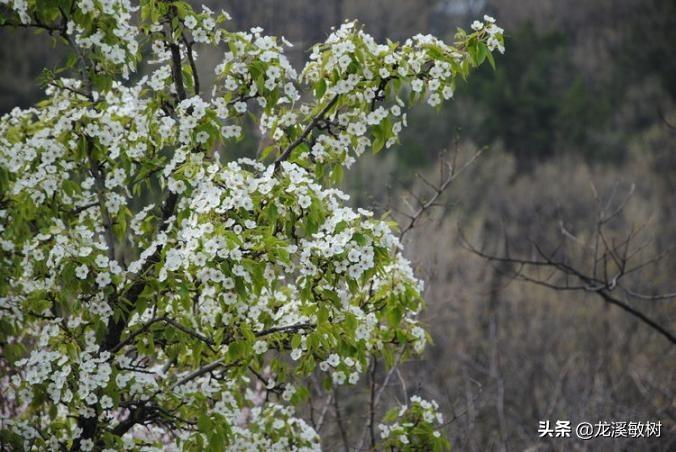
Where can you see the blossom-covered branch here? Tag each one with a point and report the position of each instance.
(145, 280)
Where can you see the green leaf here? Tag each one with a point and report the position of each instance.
(336, 175)
(482, 53)
(378, 143)
(491, 60)
(320, 88)
(204, 423)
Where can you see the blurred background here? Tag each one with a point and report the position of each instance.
(577, 124)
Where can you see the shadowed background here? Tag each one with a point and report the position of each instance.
(580, 109)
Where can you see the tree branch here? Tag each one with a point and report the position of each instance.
(169, 321)
(193, 66)
(339, 422)
(278, 329)
(590, 284)
(97, 174)
(287, 152)
(437, 192)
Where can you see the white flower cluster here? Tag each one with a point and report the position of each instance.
(342, 369)
(341, 249)
(118, 43)
(494, 40)
(360, 70)
(410, 423)
(104, 26)
(20, 7)
(274, 428)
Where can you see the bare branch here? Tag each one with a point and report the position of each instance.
(426, 205)
(322, 415)
(666, 296)
(339, 422)
(375, 396)
(602, 288)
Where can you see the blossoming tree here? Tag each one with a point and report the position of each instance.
(147, 284)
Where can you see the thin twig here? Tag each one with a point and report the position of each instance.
(375, 396)
(322, 415)
(339, 422)
(437, 192)
(590, 284)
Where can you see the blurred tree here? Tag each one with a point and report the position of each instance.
(638, 57)
(540, 104)
(18, 73)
